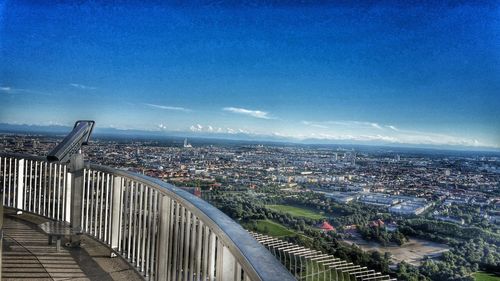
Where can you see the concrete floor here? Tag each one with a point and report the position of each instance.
(27, 256)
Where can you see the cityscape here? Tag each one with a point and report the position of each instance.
(418, 209)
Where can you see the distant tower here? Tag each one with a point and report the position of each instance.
(335, 157)
(398, 157)
(186, 144)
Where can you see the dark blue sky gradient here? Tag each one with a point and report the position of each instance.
(334, 71)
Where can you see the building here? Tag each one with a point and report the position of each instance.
(409, 208)
(326, 227)
(186, 144)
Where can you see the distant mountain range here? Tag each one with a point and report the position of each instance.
(223, 137)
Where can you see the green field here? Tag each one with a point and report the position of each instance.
(297, 211)
(270, 228)
(484, 276)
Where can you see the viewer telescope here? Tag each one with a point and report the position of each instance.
(72, 143)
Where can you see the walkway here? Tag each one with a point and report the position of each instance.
(27, 256)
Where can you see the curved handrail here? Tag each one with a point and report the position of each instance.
(255, 260)
(260, 263)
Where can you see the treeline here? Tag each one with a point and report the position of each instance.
(446, 232)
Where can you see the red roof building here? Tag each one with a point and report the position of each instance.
(325, 226)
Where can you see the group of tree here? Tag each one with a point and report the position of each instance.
(472, 248)
(381, 235)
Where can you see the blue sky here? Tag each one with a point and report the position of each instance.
(426, 73)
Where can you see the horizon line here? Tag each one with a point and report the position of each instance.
(118, 132)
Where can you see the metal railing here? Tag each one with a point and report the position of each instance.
(163, 231)
(311, 265)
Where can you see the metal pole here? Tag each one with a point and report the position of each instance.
(76, 166)
(20, 185)
(116, 212)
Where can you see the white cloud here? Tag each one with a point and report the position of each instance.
(162, 126)
(11, 90)
(316, 125)
(198, 128)
(173, 108)
(253, 113)
(392, 128)
(364, 131)
(82, 87)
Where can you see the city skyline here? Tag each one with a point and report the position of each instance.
(419, 74)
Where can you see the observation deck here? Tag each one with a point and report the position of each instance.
(134, 227)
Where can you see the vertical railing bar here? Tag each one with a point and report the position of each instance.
(199, 246)
(145, 212)
(123, 234)
(211, 258)
(139, 225)
(107, 210)
(2, 166)
(126, 210)
(174, 243)
(205, 252)
(148, 202)
(134, 221)
(122, 217)
(14, 186)
(187, 240)
(45, 187)
(97, 200)
(101, 205)
(129, 250)
(7, 203)
(27, 184)
(154, 258)
(54, 191)
(40, 188)
(181, 242)
(30, 186)
(49, 177)
(192, 246)
(85, 201)
(4, 179)
(219, 251)
(16, 181)
(36, 189)
(59, 187)
(62, 185)
(20, 198)
(152, 233)
(64, 192)
(91, 198)
(171, 233)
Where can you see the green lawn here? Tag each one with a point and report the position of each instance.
(297, 211)
(484, 276)
(270, 228)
